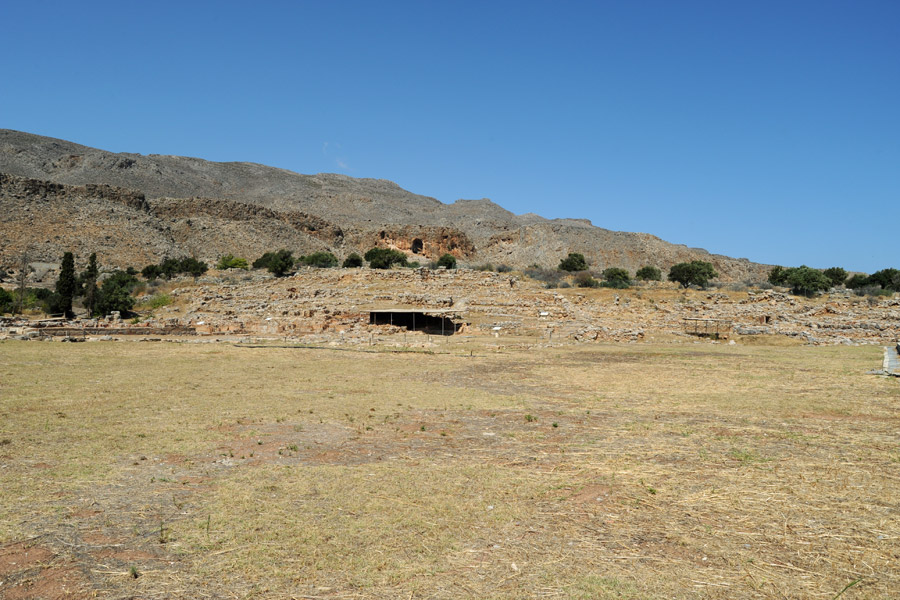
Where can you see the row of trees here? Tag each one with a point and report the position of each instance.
(113, 294)
(281, 263)
(807, 281)
(696, 272)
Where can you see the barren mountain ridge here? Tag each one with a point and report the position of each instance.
(135, 209)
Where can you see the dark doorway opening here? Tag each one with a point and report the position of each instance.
(414, 321)
(417, 246)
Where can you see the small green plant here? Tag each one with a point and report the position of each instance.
(530, 418)
(157, 301)
(229, 261)
(132, 570)
(448, 261)
(555, 424)
(584, 280)
(746, 456)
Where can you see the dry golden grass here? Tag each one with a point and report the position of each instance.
(487, 469)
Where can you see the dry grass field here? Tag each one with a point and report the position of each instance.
(690, 470)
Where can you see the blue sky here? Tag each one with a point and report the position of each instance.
(766, 130)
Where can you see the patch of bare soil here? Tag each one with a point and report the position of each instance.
(28, 571)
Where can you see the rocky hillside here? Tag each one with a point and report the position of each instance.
(134, 209)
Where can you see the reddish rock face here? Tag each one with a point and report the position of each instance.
(427, 242)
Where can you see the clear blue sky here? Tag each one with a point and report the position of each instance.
(767, 129)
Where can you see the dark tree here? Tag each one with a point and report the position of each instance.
(115, 294)
(66, 285)
(353, 261)
(649, 273)
(385, 258)
(836, 275)
(322, 260)
(278, 263)
(192, 266)
(614, 277)
(281, 263)
(89, 284)
(807, 281)
(447, 261)
(778, 275)
(263, 261)
(169, 267)
(696, 272)
(858, 281)
(888, 279)
(573, 262)
(6, 301)
(151, 272)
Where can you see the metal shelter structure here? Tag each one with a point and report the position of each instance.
(714, 328)
(432, 321)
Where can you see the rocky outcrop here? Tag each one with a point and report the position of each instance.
(427, 242)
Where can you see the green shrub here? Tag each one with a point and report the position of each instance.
(448, 261)
(278, 263)
(504, 268)
(353, 261)
(156, 301)
(573, 262)
(385, 258)
(485, 267)
(872, 290)
(6, 301)
(615, 277)
(322, 260)
(584, 280)
(696, 272)
(553, 276)
(649, 273)
(170, 267)
(229, 261)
